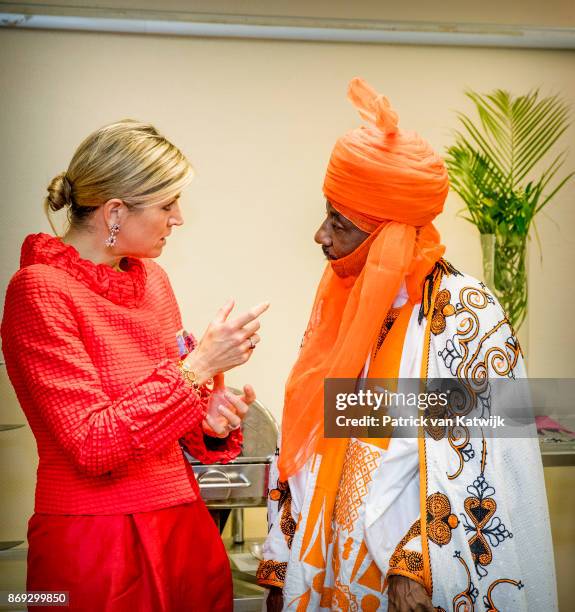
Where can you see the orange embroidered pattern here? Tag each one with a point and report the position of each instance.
(409, 561)
(282, 495)
(480, 512)
(360, 463)
(441, 310)
(440, 523)
(388, 322)
(287, 523)
(481, 507)
(271, 573)
(440, 520)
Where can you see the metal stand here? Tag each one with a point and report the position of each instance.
(238, 525)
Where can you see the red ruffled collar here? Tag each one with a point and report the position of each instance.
(124, 288)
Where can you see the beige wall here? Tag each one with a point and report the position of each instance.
(258, 120)
(553, 13)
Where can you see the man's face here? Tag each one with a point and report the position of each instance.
(337, 235)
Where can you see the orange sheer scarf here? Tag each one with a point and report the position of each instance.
(385, 365)
(377, 172)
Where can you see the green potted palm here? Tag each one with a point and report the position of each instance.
(492, 166)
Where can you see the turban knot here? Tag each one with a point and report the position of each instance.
(372, 106)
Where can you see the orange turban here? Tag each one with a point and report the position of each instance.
(393, 184)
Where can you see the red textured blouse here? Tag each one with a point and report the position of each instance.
(92, 355)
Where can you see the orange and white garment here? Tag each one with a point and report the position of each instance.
(346, 574)
(470, 522)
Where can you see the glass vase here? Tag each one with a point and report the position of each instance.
(505, 272)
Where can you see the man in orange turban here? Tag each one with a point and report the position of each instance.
(396, 523)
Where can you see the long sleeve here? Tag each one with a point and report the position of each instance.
(281, 530)
(213, 450)
(407, 559)
(48, 361)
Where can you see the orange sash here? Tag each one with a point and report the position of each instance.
(385, 365)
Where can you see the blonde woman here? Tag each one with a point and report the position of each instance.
(89, 337)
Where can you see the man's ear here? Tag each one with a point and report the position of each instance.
(113, 211)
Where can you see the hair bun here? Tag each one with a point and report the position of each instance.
(59, 193)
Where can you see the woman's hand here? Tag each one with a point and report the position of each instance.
(407, 595)
(226, 343)
(226, 410)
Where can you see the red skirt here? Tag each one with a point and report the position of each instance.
(166, 560)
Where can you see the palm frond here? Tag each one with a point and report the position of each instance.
(491, 166)
(493, 157)
(554, 192)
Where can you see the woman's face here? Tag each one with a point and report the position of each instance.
(144, 231)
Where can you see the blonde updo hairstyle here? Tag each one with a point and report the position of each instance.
(128, 160)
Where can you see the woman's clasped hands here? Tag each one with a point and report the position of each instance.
(226, 410)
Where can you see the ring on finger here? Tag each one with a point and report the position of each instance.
(252, 343)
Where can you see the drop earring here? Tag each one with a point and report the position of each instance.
(111, 240)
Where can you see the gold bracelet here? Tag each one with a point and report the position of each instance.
(189, 375)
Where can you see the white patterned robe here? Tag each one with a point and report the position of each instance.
(487, 543)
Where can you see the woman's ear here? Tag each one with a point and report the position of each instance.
(114, 210)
